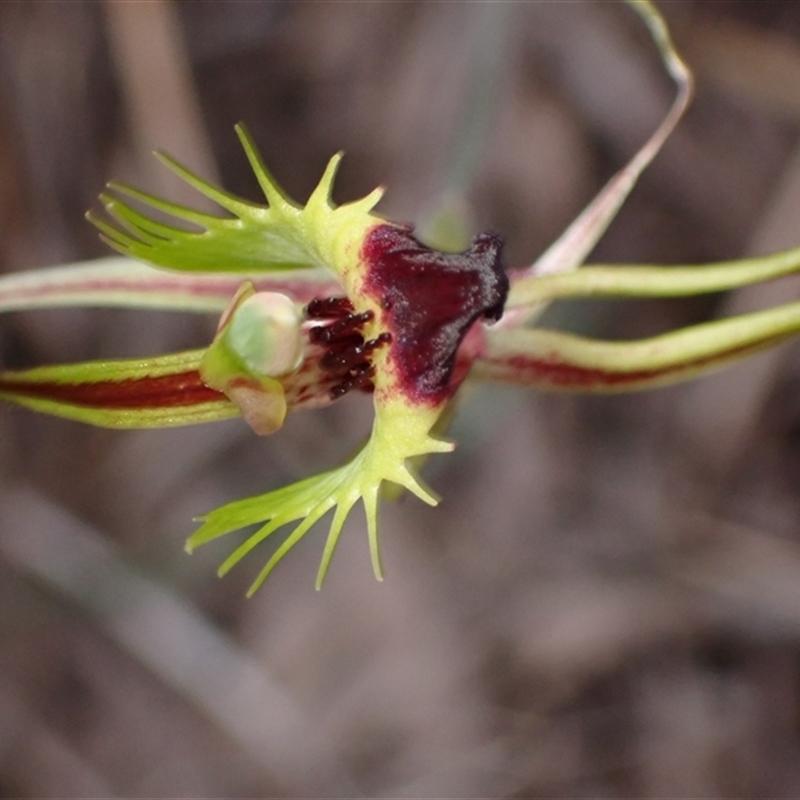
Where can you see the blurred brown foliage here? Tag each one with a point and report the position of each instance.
(607, 601)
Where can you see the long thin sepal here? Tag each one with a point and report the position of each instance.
(571, 249)
(554, 360)
(142, 393)
(122, 282)
(651, 281)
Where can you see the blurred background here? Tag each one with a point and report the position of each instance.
(607, 601)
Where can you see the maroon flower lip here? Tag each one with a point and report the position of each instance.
(430, 300)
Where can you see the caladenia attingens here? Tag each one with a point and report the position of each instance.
(320, 301)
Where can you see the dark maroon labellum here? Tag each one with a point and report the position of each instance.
(431, 299)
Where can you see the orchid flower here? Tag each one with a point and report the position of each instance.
(320, 300)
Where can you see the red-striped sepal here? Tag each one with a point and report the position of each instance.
(140, 393)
